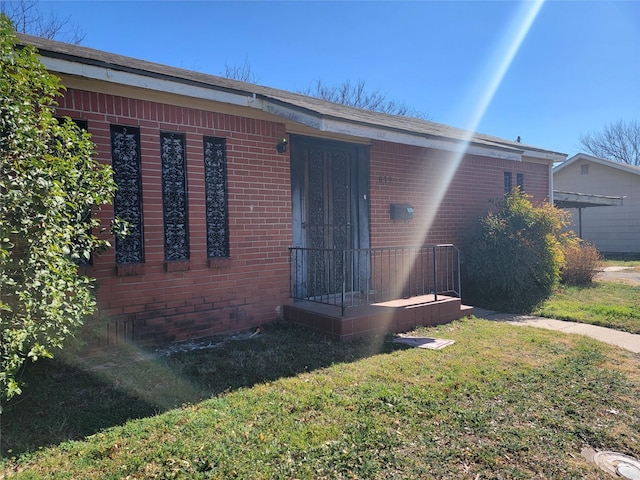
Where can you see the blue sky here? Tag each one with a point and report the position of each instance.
(576, 69)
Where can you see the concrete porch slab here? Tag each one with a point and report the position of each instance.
(394, 316)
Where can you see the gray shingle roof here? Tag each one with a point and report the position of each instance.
(305, 104)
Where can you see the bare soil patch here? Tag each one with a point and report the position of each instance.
(626, 275)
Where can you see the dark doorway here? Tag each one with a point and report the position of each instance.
(329, 184)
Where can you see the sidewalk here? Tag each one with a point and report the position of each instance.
(628, 341)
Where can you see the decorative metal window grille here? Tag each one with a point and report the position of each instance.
(520, 181)
(215, 173)
(507, 182)
(174, 196)
(127, 203)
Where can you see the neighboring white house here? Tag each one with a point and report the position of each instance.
(612, 229)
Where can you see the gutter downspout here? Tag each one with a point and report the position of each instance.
(551, 183)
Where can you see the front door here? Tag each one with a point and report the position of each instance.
(330, 182)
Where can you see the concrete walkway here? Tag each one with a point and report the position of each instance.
(624, 340)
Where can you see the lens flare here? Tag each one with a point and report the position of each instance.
(444, 168)
(496, 69)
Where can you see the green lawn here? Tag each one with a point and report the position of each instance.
(624, 260)
(608, 304)
(502, 402)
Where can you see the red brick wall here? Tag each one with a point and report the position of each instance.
(417, 176)
(160, 303)
(208, 297)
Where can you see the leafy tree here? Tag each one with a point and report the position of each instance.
(513, 260)
(28, 19)
(618, 141)
(357, 95)
(49, 182)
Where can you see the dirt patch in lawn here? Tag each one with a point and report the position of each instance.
(626, 275)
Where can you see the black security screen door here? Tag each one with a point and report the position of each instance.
(327, 177)
(329, 201)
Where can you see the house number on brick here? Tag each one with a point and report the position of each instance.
(385, 180)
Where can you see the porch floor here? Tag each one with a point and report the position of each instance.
(394, 316)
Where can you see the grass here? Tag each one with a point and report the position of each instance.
(623, 260)
(502, 402)
(608, 304)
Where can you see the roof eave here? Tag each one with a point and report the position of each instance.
(97, 65)
(162, 83)
(583, 200)
(547, 155)
(331, 124)
(601, 161)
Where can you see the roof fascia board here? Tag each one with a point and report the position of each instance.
(95, 72)
(394, 136)
(333, 125)
(566, 163)
(98, 86)
(298, 115)
(103, 73)
(601, 161)
(610, 163)
(588, 200)
(544, 155)
(293, 113)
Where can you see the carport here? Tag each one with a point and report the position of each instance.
(583, 200)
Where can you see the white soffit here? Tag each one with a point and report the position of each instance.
(548, 156)
(142, 81)
(316, 121)
(343, 127)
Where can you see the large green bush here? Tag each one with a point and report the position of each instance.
(49, 183)
(513, 260)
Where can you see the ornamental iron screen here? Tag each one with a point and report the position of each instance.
(127, 202)
(215, 172)
(174, 196)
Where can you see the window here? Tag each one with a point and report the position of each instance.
(520, 181)
(507, 182)
(127, 203)
(174, 196)
(215, 172)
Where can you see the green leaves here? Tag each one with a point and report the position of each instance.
(49, 182)
(514, 259)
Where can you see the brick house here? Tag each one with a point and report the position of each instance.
(216, 198)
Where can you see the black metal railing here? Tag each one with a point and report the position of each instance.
(350, 277)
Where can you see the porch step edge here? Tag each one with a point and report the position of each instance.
(466, 310)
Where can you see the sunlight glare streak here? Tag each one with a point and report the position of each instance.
(506, 52)
(504, 55)
(443, 170)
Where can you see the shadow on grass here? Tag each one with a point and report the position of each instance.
(69, 398)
